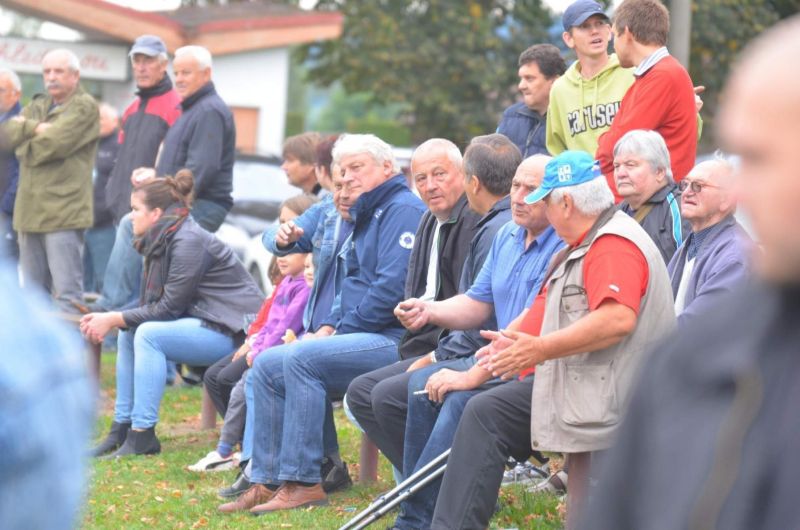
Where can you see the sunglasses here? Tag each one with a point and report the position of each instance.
(696, 186)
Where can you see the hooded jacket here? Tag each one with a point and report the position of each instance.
(582, 109)
(524, 127)
(386, 219)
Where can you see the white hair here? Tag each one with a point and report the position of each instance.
(649, 146)
(13, 77)
(200, 54)
(72, 60)
(591, 198)
(450, 149)
(356, 144)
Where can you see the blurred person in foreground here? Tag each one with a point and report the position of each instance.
(711, 436)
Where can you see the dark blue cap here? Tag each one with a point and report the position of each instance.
(150, 45)
(577, 13)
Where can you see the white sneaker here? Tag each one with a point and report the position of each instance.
(214, 462)
(525, 473)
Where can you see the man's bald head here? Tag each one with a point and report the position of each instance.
(760, 121)
(716, 199)
(109, 119)
(528, 177)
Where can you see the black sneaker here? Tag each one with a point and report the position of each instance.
(239, 486)
(114, 439)
(139, 443)
(335, 478)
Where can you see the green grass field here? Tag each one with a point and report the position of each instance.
(158, 492)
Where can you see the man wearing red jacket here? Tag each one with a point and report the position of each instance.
(661, 98)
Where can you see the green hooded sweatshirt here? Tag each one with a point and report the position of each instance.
(582, 109)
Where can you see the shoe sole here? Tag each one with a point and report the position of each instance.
(322, 502)
(227, 465)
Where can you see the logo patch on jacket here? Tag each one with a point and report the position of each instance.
(406, 240)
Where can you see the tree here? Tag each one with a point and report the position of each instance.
(451, 64)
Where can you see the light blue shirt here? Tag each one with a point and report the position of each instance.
(512, 274)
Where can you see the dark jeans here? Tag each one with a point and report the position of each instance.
(495, 424)
(221, 377)
(378, 400)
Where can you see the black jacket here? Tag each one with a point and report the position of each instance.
(710, 439)
(205, 280)
(454, 245)
(664, 224)
(203, 140)
(107, 150)
(144, 124)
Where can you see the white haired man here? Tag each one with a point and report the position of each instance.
(643, 176)
(605, 299)
(289, 388)
(55, 139)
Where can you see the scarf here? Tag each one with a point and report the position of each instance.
(153, 246)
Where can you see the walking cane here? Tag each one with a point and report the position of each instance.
(384, 504)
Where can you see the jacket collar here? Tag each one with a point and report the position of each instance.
(707, 235)
(523, 109)
(203, 91)
(50, 103)
(162, 87)
(500, 206)
(661, 195)
(371, 200)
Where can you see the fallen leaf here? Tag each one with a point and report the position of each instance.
(177, 493)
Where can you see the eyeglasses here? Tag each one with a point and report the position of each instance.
(696, 186)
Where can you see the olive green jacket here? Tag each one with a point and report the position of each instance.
(55, 166)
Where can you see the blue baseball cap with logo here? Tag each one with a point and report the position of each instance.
(577, 13)
(149, 45)
(570, 168)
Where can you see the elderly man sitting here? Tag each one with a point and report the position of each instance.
(643, 175)
(605, 300)
(714, 258)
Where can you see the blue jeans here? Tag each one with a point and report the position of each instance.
(208, 214)
(142, 357)
(430, 428)
(291, 388)
(124, 270)
(98, 243)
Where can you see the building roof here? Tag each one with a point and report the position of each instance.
(223, 30)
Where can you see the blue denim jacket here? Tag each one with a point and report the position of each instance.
(325, 241)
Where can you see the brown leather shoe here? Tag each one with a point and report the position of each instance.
(292, 495)
(256, 494)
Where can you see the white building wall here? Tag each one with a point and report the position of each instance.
(257, 79)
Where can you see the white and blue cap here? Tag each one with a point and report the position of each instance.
(150, 45)
(578, 12)
(570, 168)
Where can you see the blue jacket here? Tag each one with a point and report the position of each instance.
(8, 182)
(203, 139)
(526, 128)
(386, 219)
(720, 266)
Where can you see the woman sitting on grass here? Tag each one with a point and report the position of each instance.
(195, 296)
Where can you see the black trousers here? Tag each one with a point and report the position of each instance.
(495, 424)
(221, 377)
(379, 401)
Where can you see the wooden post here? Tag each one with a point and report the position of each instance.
(368, 471)
(208, 414)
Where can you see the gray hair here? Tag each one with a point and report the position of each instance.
(648, 145)
(439, 144)
(591, 198)
(72, 60)
(493, 159)
(13, 77)
(356, 144)
(200, 54)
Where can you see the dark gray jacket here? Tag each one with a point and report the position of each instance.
(710, 439)
(203, 139)
(464, 343)
(664, 223)
(454, 245)
(205, 280)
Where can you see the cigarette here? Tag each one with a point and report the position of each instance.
(420, 392)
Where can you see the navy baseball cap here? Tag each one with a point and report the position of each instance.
(150, 45)
(577, 13)
(570, 168)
